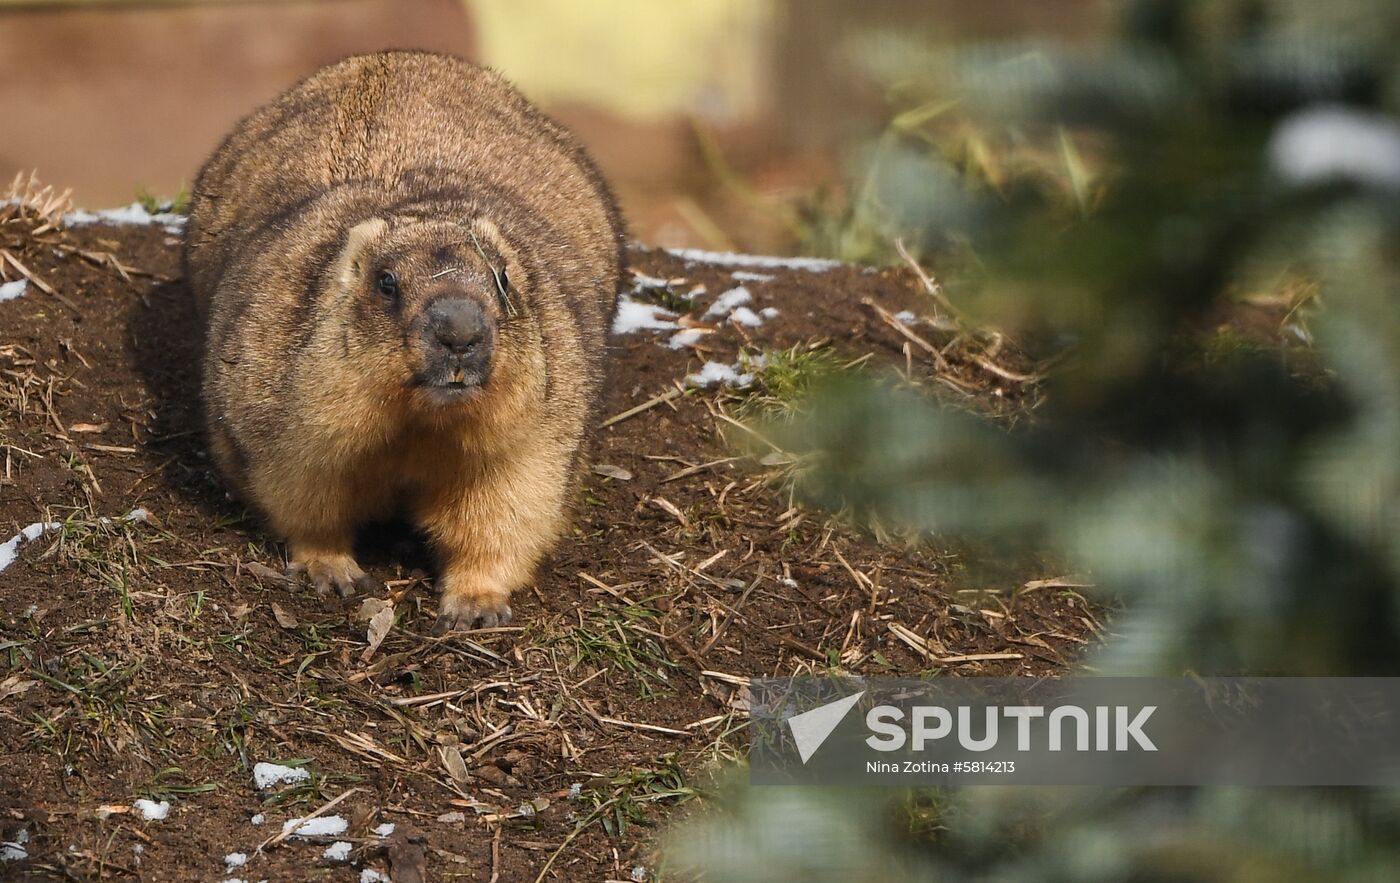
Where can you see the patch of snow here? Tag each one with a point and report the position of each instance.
(790, 582)
(637, 316)
(152, 811)
(13, 850)
(745, 276)
(384, 830)
(733, 259)
(258, 819)
(768, 312)
(265, 775)
(236, 860)
(575, 790)
(643, 281)
(1332, 142)
(639, 873)
(338, 851)
(12, 290)
(10, 548)
(370, 875)
(725, 303)
(745, 316)
(687, 337)
(718, 372)
(906, 317)
(324, 826)
(128, 214)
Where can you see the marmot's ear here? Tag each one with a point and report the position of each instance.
(487, 236)
(347, 267)
(497, 253)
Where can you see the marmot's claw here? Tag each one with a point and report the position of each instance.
(339, 573)
(466, 615)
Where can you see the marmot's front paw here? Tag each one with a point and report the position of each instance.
(339, 572)
(462, 611)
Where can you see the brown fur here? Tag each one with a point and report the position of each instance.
(415, 161)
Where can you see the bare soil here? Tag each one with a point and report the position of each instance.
(161, 659)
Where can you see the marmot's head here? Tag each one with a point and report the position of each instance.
(424, 304)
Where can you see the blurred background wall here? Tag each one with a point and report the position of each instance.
(709, 116)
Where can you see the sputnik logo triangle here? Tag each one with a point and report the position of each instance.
(810, 728)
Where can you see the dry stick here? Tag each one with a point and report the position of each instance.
(578, 830)
(39, 283)
(496, 854)
(287, 832)
(888, 318)
(733, 612)
(653, 728)
(593, 580)
(644, 406)
(691, 470)
(936, 292)
(919, 644)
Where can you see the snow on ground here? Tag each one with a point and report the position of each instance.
(634, 315)
(265, 775)
(745, 316)
(325, 826)
(687, 337)
(338, 851)
(746, 276)
(128, 214)
(152, 811)
(10, 548)
(370, 875)
(235, 860)
(384, 830)
(257, 819)
(718, 372)
(906, 317)
(12, 290)
(733, 259)
(727, 302)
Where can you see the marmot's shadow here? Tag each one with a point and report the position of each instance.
(166, 341)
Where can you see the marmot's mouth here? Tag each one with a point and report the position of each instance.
(448, 388)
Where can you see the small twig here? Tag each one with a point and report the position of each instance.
(496, 855)
(644, 406)
(933, 288)
(38, 283)
(888, 318)
(292, 829)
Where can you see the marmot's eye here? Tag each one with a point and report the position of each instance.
(503, 291)
(388, 284)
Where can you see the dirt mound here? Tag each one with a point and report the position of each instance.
(150, 652)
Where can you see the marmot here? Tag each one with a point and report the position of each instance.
(407, 274)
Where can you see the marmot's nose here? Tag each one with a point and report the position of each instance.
(457, 324)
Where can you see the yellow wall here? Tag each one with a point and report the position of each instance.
(635, 57)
